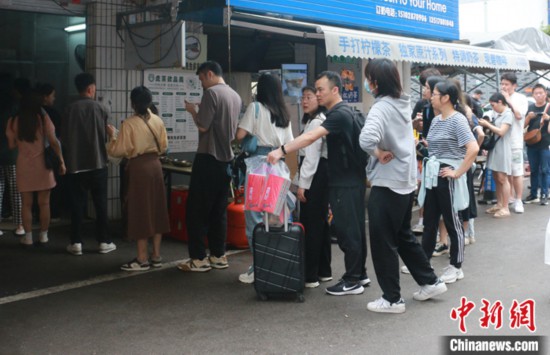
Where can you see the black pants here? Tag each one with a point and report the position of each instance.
(390, 235)
(439, 201)
(313, 216)
(79, 184)
(207, 206)
(471, 211)
(348, 210)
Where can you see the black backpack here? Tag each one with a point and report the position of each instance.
(359, 157)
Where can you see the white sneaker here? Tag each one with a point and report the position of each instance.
(105, 248)
(466, 240)
(325, 278)
(451, 274)
(472, 239)
(75, 249)
(26, 240)
(383, 306)
(247, 277)
(310, 284)
(43, 237)
(518, 206)
(428, 291)
(405, 269)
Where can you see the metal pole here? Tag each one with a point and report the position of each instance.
(229, 39)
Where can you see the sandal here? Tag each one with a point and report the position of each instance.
(502, 214)
(135, 265)
(493, 209)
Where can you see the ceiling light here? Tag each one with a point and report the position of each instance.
(74, 28)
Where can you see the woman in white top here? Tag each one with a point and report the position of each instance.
(500, 157)
(268, 120)
(312, 182)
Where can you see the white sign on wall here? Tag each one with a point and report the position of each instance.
(171, 88)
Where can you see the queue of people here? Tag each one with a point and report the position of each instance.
(329, 171)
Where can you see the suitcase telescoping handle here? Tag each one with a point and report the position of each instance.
(285, 220)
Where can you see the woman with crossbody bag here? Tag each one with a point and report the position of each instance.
(269, 121)
(141, 139)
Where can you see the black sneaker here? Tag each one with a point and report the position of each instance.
(544, 200)
(440, 249)
(344, 287)
(531, 199)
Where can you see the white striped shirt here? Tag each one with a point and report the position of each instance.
(447, 138)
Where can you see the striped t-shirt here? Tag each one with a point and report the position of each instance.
(447, 138)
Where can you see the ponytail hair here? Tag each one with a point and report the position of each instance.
(141, 99)
(497, 96)
(452, 88)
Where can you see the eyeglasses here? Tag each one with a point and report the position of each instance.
(435, 94)
(308, 98)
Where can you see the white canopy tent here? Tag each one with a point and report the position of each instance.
(530, 41)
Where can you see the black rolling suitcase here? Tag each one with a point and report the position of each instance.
(279, 260)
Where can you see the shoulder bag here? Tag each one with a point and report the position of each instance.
(534, 136)
(51, 159)
(249, 143)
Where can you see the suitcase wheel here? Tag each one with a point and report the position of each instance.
(300, 298)
(262, 296)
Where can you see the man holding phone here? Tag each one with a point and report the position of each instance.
(538, 153)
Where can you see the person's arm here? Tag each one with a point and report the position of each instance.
(10, 134)
(301, 141)
(54, 143)
(241, 133)
(500, 131)
(371, 135)
(528, 118)
(310, 163)
(207, 109)
(480, 135)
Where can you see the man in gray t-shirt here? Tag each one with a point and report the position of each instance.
(206, 215)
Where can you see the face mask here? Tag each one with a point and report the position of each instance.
(367, 87)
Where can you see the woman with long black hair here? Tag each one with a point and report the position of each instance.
(452, 149)
(269, 121)
(27, 132)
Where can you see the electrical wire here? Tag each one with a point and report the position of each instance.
(150, 40)
(164, 56)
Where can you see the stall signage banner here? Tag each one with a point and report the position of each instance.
(360, 44)
(437, 19)
(350, 72)
(171, 88)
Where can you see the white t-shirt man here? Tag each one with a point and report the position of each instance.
(520, 103)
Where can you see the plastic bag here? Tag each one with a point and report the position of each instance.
(276, 188)
(256, 177)
(266, 185)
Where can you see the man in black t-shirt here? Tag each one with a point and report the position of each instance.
(346, 181)
(539, 155)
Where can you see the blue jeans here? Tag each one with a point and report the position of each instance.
(539, 161)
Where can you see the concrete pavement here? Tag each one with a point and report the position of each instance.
(55, 303)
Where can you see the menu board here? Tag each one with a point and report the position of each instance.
(171, 88)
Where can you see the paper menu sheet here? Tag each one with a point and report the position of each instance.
(171, 88)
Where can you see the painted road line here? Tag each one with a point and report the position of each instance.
(93, 281)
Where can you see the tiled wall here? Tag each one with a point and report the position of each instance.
(105, 60)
